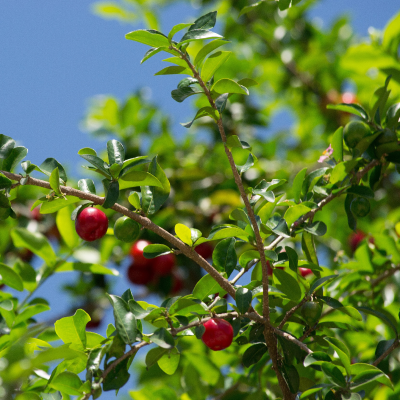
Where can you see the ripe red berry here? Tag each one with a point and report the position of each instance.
(205, 250)
(139, 276)
(305, 272)
(137, 253)
(91, 224)
(218, 334)
(163, 265)
(35, 214)
(269, 269)
(355, 239)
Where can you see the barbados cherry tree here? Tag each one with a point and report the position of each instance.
(275, 259)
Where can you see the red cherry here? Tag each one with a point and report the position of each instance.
(136, 252)
(139, 276)
(35, 214)
(218, 334)
(93, 324)
(355, 239)
(163, 265)
(91, 224)
(305, 272)
(205, 250)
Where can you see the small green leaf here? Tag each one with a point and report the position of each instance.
(73, 329)
(52, 206)
(206, 21)
(363, 191)
(16, 155)
(87, 150)
(322, 282)
(155, 250)
(207, 49)
(154, 355)
(176, 29)
(251, 160)
(317, 357)
(253, 354)
(183, 233)
(148, 37)
(317, 228)
(181, 94)
(337, 145)
(226, 85)
(6, 146)
(87, 186)
(112, 193)
(11, 278)
(174, 70)
(185, 82)
(199, 34)
(139, 178)
(298, 184)
(5, 183)
(243, 299)
(55, 181)
(134, 199)
(349, 108)
(67, 382)
(308, 246)
(333, 374)
(116, 152)
(132, 163)
(49, 165)
(163, 338)
(151, 52)
(294, 213)
(98, 163)
(66, 227)
(169, 361)
(224, 256)
(207, 286)
(220, 102)
(203, 112)
(212, 64)
(87, 267)
(287, 284)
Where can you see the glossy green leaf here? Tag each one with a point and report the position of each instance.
(224, 232)
(151, 52)
(291, 376)
(175, 29)
(298, 184)
(174, 70)
(87, 267)
(112, 193)
(316, 357)
(138, 311)
(15, 156)
(49, 165)
(199, 34)
(117, 377)
(206, 21)
(87, 186)
(337, 145)
(97, 162)
(183, 233)
(132, 163)
(116, 152)
(52, 206)
(169, 361)
(333, 374)
(154, 355)
(251, 160)
(10, 277)
(220, 102)
(224, 256)
(253, 354)
(342, 351)
(66, 227)
(212, 64)
(379, 315)
(163, 338)
(6, 146)
(281, 228)
(350, 108)
(73, 329)
(294, 213)
(181, 94)
(226, 85)
(243, 299)
(186, 82)
(287, 284)
(5, 183)
(203, 112)
(55, 181)
(316, 228)
(322, 282)
(207, 286)
(30, 311)
(359, 369)
(35, 242)
(138, 178)
(207, 49)
(366, 377)
(308, 246)
(67, 382)
(148, 37)
(155, 250)
(363, 191)
(125, 321)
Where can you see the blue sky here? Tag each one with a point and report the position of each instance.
(56, 55)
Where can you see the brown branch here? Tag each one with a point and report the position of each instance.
(290, 337)
(395, 344)
(145, 222)
(292, 311)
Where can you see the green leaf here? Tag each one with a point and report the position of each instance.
(391, 35)
(184, 233)
(5, 183)
(138, 178)
(52, 206)
(360, 368)
(155, 250)
(125, 321)
(220, 102)
(15, 156)
(287, 284)
(224, 256)
(174, 70)
(30, 311)
(207, 370)
(87, 186)
(175, 29)
(203, 112)
(181, 94)
(11, 278)
(249, 8)
(337, 144)
(298, 184)
(35, 242)
(163, 338)
(251, 160)
(293, 258)
(363, 191)
(317, 357)
(138, 311)
(132, 163)
(117, 377)
(253, 354)
(281, 228)
(73, 329)
(169, 362)
(148, 37)
(349, 108)
(49, 165)
(207, 286)
(87, 267)
(379, 315)
(116, 152)
(294, 213)
(284, 4)
(243, 299)
(333, 374)
(351, 219)
(112, 193)
(291, 376)
(87, 150)
(234, 141)
(152, 52)
(321, 282)
(66, 227)
(317, 228)
(55, 181)
(226, 85)
(4, 201)
(67, 382)
(206, 21)
(342, 351)
(308, 246)
(207, 49)
(212, 64)
(223, 232)
(154, 355)
(6, 146)
(366, 377)
(98, 163)
(185, 82)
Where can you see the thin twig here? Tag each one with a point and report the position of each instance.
(292, 311)
(290, 337)
(146, 222)
(395, 344)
